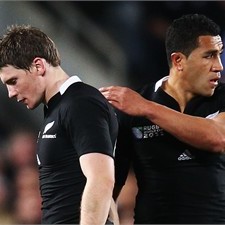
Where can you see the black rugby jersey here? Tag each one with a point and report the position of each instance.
(77, 120)
(177, 183)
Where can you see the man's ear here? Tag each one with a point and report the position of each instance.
(40, 65)
(177, 59)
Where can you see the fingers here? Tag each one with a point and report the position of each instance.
(111, 93)
(116, 95)
(113, 89)
(104, 89)
(108, 92)
(124, 99)
(113, 213)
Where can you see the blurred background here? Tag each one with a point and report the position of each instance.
(104, 43)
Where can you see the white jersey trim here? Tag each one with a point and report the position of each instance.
(159, 82)
(68, 82)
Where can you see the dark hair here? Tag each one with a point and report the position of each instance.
(22, 43)
(182, 35)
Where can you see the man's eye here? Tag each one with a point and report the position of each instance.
(12, 81)
(209, 56)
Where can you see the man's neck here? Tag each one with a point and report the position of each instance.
(55, 79)
(176, 88)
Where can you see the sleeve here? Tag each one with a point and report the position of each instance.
(88, 123)
(124, 149)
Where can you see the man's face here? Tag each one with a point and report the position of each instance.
(203, 66)
(22, 85)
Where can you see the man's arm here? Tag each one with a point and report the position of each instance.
(96, 199)
(207, 134)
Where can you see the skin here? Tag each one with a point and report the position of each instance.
(94, 211)
(37, 86)
(191, 76)
(33, 87)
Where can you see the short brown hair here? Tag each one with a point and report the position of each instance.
(21, 44)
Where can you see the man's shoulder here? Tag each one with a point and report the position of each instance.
(80, 89)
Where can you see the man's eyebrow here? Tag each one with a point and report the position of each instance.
(214, 51)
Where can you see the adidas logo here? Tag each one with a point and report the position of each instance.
(186, 155)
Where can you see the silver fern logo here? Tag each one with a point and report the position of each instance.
(48, 126)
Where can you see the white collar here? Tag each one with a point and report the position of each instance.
(159, 82)
(68, 82)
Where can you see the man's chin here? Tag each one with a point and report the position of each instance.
(30, 107)
(33, 106)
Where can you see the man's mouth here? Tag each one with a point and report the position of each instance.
(214, 81)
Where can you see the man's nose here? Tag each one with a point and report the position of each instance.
(218, 66)
(11, 92)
